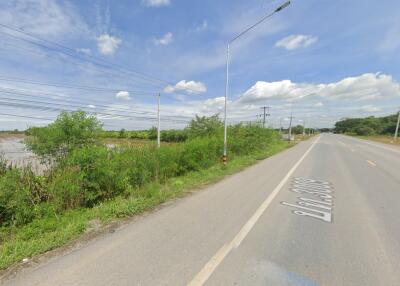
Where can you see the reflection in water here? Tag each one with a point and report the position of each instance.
(14, 151)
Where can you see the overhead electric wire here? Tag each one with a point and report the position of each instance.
(121, 68)
(26, 116)
(92, 109)
(72, 52)
(113, 116)
(79, 87)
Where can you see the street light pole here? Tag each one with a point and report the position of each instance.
(159, 123)
(224, 158)
(280, 8)
(397, 126)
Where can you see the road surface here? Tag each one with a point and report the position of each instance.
(325, 212)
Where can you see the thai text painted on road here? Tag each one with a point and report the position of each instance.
(316, 200)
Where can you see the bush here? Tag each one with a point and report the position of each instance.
(364, 131)
(174, 135)
(66, 189)
(205, 126)
(69, 131)
(20, 193)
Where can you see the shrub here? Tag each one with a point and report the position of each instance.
(66, 189)
(20, 192)
(69, 131)
(205, 126)
(364, 131)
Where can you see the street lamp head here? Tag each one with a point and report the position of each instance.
(283, 6)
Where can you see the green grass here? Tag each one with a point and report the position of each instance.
(42, 235)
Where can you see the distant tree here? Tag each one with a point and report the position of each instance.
(373, 125)
(122, 133)
(69, 131)
(205, 126)
(364, 131)
(153, 133)
(298, 129)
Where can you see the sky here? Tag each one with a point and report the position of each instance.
(320, 60)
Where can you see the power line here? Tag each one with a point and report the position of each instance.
(79, 87)
(72, 53)
(76, 104)
(121, 68)
(26, 116)
(113, 116)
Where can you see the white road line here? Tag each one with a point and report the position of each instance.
(371, 163)
(373, 144)
(383, 147)
(213, 263)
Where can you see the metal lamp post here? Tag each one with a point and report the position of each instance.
(280, 8)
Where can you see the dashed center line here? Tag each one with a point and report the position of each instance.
(371, 163)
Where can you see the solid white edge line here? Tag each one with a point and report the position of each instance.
(213, 263)
(365, 141)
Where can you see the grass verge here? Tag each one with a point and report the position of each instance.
(381, 139)
(42, 235)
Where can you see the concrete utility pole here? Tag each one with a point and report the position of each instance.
(397, 126)
(280, 125)
(280, 8)
(304, 127)
(159, 122)
(290, 126)
(265, 108)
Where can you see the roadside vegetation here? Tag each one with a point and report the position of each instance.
(89, 181)
(380, 129)
(368, 126)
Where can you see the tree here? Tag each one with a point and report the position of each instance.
(364, 131)
(298, 129)
(69, 131)
(205, 126)
(371, 125)
(122, 133)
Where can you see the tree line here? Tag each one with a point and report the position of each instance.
(367, 126)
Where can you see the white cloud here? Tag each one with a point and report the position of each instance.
(156, 3)
(293, 42)
(364, 87)
(213, 105)
(123, 95)
(45, 18)
(107, 44)
(319, 104)
(369, 109)
(91, 106)
(164, 40)
(191, 87)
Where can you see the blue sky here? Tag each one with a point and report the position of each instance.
(322, 59)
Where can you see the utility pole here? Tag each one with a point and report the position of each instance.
(304, 127)
(280, 125)
(265, 108)
(290, 126)
(159, 122)
(397, 126)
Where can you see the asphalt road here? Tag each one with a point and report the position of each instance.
(325, 212)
